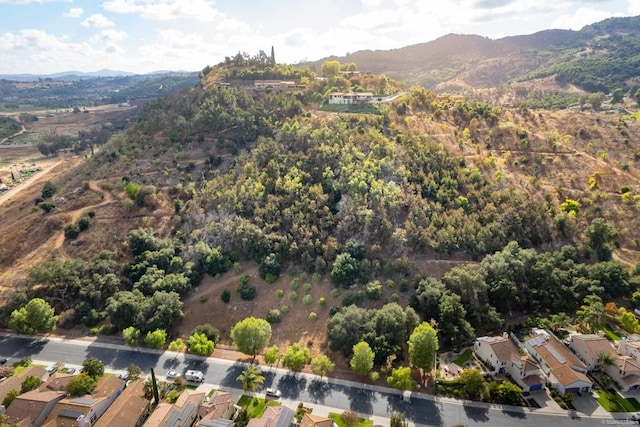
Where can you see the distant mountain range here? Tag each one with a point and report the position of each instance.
(599, 57)
(80, 75)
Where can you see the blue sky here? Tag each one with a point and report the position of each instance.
(47, 36)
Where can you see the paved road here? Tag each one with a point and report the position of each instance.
(367, 400)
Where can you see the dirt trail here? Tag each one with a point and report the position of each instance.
(55, 243)
(107, 199)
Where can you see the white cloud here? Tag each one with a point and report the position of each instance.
(109, 35)
(634, 7)
(97, 21)
(74, 12)
(580, 18)
(166, 10)
(36, 51)
(30, 1)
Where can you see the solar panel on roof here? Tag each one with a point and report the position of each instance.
(555, 354)
(70, 413)
(84, 401)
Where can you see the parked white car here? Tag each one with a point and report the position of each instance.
(194, 376)
(172, 375)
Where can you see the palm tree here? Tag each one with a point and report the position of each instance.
(251, 378)
(591, 312)
(560, 321)
(606, 359)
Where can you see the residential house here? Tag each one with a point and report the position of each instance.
(15, 382)
(505, 357)
(562, 368)
(589, 347)
(274, 416)
(630, 346)
(625, 372)
(84, 411)
(33, 407)
(183, 413)
(219, 406)
(131, 408)
(310, 420)
(350, 97)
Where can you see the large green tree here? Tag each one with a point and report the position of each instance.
(591, 312)
(251, 335)
(295, 357)
(362, 360)
(156, 339)
(400, 378)
(200, 345)
(34, 318)
(80, 385)
(473, 383)
(322, 365)
(93, 367)
(423, 344)
(330, 69)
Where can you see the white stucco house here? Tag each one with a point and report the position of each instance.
(505, 357)
(562, 368)
(350, 97)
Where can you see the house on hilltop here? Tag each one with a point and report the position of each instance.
(350, 97)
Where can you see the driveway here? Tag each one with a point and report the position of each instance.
(588, 405)
(545, 401)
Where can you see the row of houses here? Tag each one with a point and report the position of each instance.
(544, 358)
(113, 403)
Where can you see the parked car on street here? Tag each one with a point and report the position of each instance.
(273, 392)
(172, 375)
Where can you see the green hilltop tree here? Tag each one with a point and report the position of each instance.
(156, 339)
(330, 69)
(251, 335)
(423, 344)
(400, 378)
(362, 360)
(322, 365)
(200, 345)
(34, 318)
(295, 357)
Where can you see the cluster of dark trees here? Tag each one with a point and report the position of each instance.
(515, 280)
(314, 185)
(386, 330)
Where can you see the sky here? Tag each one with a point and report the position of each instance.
(142, 36)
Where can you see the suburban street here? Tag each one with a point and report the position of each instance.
(336, 395)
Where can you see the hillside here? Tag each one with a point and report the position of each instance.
(464, 212)
(599, 57)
